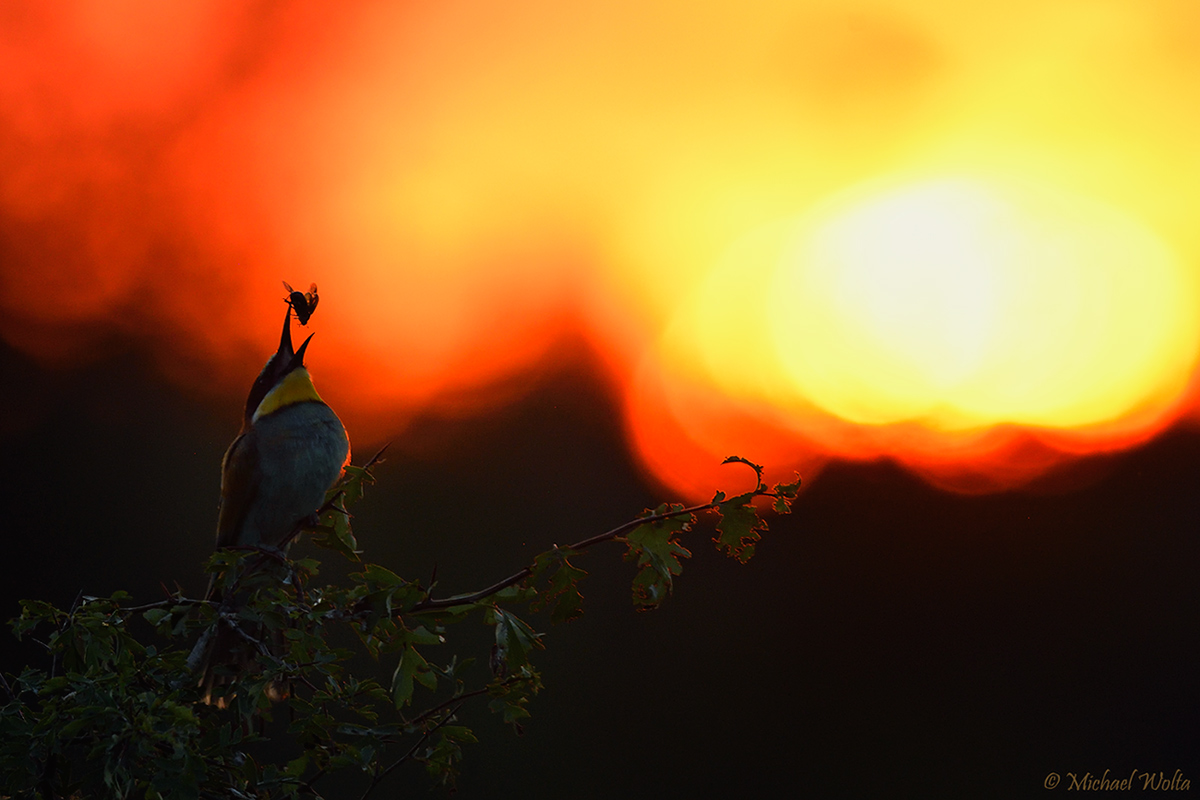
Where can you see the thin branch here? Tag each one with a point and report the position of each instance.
(12, 696)
(375, 459)
(308, 785)
(429, 712)
(67, 621)
(472, 597)
(179, 601)
(633, 523)
(431, 604)
(378, 777)
(258, 645)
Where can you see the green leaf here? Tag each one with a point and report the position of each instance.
(156, 615)
(510, 696)
(654, 547)
(295, 768)
(35, 613)
(334, 534)
(512, 709)
(380, 576)
(738, 528)
(460, 610)
(459, 733)
(517, 593)
(785, 493)
(514, 639)
(561, 592)
(420, 635)
(443, 754)
(412, 666)
(352, 486)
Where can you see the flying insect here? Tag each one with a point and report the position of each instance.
(303, 303)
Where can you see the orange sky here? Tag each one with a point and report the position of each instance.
(959, 237)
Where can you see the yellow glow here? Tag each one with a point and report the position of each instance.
(963, 304)
(957, 303)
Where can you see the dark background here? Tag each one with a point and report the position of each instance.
(887, 640)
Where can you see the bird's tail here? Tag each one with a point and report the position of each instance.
(226, 650)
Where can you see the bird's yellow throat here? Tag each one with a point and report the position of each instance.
(296, 387)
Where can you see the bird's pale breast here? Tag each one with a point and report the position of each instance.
(278, 473)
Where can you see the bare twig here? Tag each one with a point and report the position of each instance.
(375, 459)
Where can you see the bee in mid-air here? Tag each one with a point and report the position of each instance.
(303, 303)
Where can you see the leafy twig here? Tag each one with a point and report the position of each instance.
(429, 712)
(472, 597)
(379, 776)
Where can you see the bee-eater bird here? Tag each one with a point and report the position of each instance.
(292, 448)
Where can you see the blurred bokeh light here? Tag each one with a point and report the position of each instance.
(954, 235)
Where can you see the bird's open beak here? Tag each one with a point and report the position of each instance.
(286, 355)
(285, 351)
(298, 358)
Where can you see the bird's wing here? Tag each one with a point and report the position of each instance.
(239, 484)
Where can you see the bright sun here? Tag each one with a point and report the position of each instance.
(955, 303)
(961, 303)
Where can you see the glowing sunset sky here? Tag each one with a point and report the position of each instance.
(954, 235)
